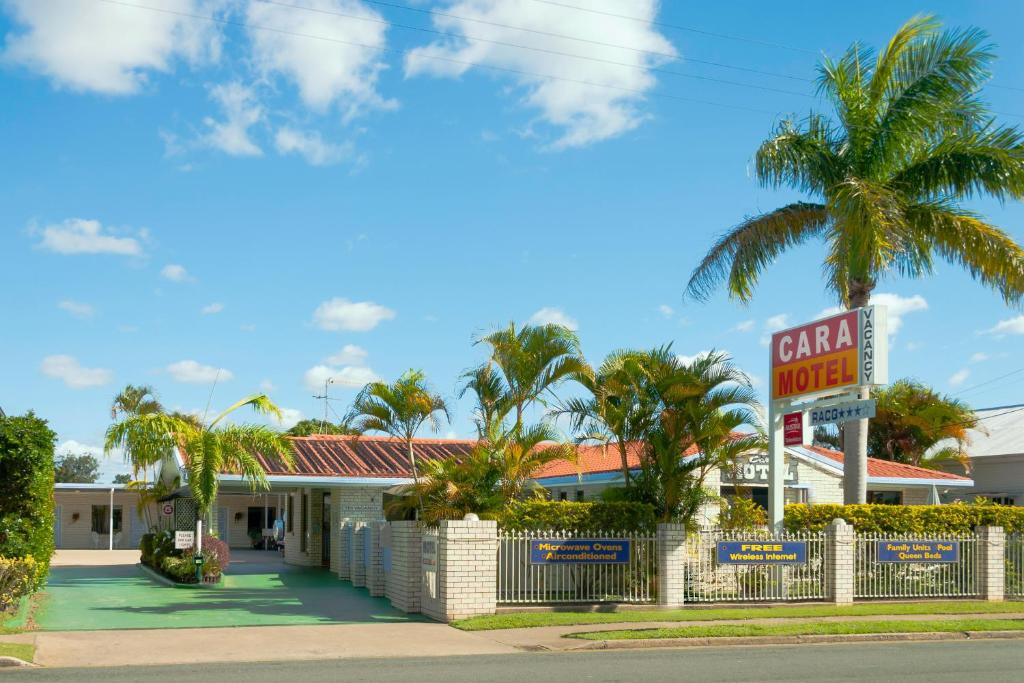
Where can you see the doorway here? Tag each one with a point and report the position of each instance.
(325, 531)
(260, 518)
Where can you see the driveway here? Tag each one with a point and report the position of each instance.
(104, 590)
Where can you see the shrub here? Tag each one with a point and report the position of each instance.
(26, 492)
(956, 518)
(216, 556)
(146, 546)
(545, 515)
(17, 576)
(741, 514)
(163, 547)
(179, 569)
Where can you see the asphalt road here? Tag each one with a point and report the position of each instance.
(934, 662)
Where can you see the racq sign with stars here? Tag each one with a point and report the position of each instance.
(831, 355)
(841, 412)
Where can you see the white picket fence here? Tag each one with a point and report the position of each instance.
(1015, 566)
(522, 579)
(874, 578)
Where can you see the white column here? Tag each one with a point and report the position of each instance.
(110, 536)
(776, 465)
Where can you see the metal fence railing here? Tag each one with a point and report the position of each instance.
(890, 566)
(1015, 566)
(710, 580)
(566, 567)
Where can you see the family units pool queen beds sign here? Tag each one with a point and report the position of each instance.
(817, 372)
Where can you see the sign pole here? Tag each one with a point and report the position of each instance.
(776, 466)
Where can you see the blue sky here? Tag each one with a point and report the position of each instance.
(180, 196)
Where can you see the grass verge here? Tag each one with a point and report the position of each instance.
(807, 629)
(537, 619)
(22, 651)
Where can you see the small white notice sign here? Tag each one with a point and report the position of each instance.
(183, 540)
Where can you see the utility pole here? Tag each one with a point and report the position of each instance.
(323, 423)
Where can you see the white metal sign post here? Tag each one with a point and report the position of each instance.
(821, 365)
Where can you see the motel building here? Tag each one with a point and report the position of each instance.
(343, 478)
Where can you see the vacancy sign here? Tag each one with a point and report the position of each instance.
(832, 354)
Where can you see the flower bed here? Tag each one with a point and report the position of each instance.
(159, 554)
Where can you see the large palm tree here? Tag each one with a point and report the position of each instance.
(530, 361)
(911, 422)
(614, 413)
(399, 409)
(210, 449)
(910, 140)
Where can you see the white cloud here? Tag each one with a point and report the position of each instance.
(311, 146)
(266, 386)
(666, 310)
(898, 306)
(351, 376)
(774, 324)
(350, 354)
(340, 68)
(109, 48)
(597, 100)
(72, 447)
(352, 316)
(175, 273)
(212, 309)
(979, 357)
(289, 418)
(192, 372)
(1008, 326)
(82, 236)
(68, 370)
(745, 326)
(76, 308)
(242, 111)
(959, 377)
(553, 316)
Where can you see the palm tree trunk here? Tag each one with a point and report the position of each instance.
(625, 463)
(415, 475)
(855, 433)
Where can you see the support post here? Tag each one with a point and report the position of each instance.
(671, 539)
(991, 563)
(375, 579)
(776, 466)
(839, 550)
(110, 536)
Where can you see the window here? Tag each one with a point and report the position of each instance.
(1002, 500)
(885, 497)
(758, 494)
(101, 519)
(563, 495)
(288, 515)
(579, 495)
(303, 522)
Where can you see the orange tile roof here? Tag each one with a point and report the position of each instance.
(886, 468)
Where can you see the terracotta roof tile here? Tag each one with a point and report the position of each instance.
(887, 468)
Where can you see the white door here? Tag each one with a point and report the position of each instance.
(138, 530)
(56, 525)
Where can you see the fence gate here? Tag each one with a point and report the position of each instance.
(897, 566)
(1015, 566)
(711, 580)
(572, 567)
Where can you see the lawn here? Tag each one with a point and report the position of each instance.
(22, 651)
(806, 629)
(535, 619)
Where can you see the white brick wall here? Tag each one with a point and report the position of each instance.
(671, 564)
(467, 569)
(404, 581)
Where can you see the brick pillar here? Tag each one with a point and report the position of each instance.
(375, 568)
(357, 554)
(671, 540)
(991, 563)
(344, 552)
(314, 528)
(336, 522)
(405, 579)
(839, 549)
(467, 570)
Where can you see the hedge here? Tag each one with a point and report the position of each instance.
(578, 516)
(26, 492)
(16, 578)
(955, 518)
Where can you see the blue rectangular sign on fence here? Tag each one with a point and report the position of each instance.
(918, 551)
(762, 552)
(580, 551)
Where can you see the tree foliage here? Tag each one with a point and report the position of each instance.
(26, 492)
(310, 427)
(77, 469)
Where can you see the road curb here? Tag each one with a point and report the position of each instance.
(6, 662)
(798, 640)
(160, 578)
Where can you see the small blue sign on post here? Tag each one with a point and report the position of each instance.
(918, 551)
(762, 552)
(580, 551)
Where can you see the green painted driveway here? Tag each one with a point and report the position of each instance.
(86, 598)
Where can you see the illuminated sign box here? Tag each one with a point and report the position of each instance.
(918, 551)
(762, 552)
(831, 355)
(580, 551)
